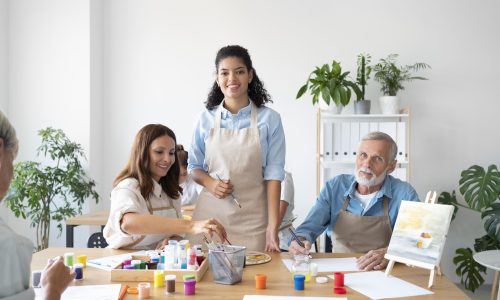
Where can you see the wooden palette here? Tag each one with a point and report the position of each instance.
(257, 258)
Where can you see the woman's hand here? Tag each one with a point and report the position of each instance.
(209, 226)
(272, 241)
(220, 188)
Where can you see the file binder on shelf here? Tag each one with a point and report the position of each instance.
(340, 136)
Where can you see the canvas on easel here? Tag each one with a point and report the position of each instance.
(419, 234)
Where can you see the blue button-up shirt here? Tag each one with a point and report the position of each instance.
(326, 210)
(272, 138)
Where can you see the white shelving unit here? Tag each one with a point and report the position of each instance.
(338, 137)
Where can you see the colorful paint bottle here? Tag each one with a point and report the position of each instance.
(79, 271)
(170, 283)
(158, 279)
(191, 263)
(69, 259)
(35, 278)
(188, 277)
(144, 289)
(338, 279)
(189, 287)
(260, 281)
(136, 263)
(298, 282)
(82, 259)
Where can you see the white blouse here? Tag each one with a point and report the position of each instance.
(190, 191)
(126, 198)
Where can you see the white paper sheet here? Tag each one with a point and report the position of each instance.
(376, 285)
(109, 263)
(329, 264)
(264, 297)
(83, 292)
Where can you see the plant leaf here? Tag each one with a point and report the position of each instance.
(468, 269)
(325, 93)
(486, 242)
(479, 188)
(450, 199)
(492, 220)
(302, 90)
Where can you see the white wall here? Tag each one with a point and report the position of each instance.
(157, 66)
(49, 76)
(4, 62)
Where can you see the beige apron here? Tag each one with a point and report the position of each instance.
(354, 233)
(150, 241)
(235, 154)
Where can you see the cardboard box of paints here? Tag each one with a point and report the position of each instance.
(119, 274)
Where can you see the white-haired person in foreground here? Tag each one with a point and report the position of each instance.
(360, 209)
(16, 250)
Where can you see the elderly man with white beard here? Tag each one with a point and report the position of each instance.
(361, 209)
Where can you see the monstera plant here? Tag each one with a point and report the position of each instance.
(480, 189)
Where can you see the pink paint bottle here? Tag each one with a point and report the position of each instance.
(189, 287)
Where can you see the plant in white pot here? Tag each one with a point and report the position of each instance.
(362, 105)
(331, 84)
(391, 77)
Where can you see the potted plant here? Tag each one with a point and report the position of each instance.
(392, 77)
(481, 191)
(331, 84)
(50, 192)
(362, 105)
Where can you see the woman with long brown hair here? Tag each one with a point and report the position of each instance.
(145, 205)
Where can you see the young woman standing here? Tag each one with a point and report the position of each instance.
(238, 154)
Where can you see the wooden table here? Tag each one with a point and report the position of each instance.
(279, 280)
(98, 218)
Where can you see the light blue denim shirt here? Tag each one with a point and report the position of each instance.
(271, 134)
(325, 211)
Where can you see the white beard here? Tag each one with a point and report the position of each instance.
(375, 180)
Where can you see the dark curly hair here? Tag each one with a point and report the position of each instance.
(256, 90)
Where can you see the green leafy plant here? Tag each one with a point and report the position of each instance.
(44, 192)
(331, 84)
(391, 76)
(363, 72)
(481, 192)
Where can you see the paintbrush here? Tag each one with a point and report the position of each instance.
(232, 195)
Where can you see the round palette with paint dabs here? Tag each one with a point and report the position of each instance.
(257, 258)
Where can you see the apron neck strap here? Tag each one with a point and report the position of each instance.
(217, 121)
(346, 203)
(386, 204)
(253, 116)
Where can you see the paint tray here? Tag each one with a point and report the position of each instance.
(227, 264)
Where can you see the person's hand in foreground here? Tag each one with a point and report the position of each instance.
(373, 260)
(55, 279)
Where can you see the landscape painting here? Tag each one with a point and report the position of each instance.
(420, 233)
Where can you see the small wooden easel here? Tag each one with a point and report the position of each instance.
(431, 199)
